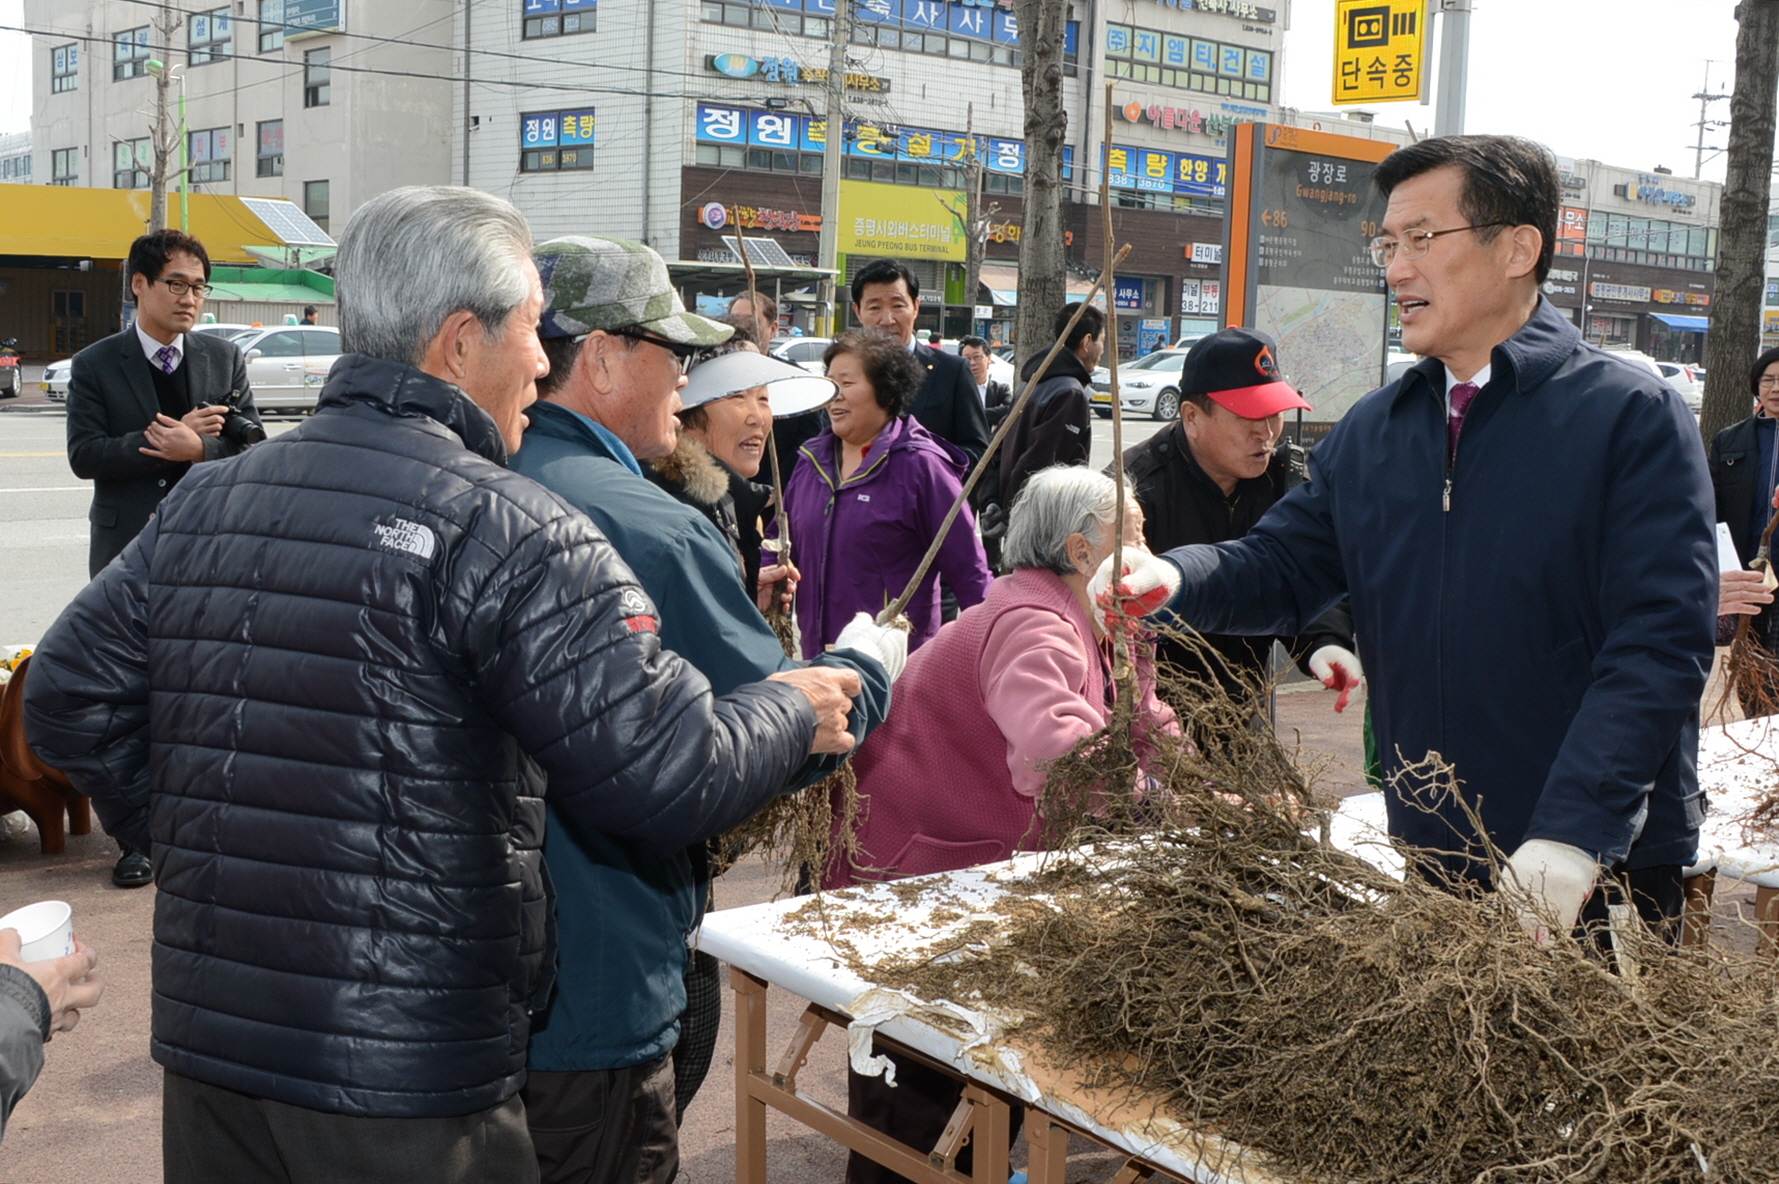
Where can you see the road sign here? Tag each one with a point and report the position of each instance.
(1302, 209)
(1380, 51)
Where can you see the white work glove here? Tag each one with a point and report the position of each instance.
(886, 643)
(1338, 668)
(1149, 583)
(1553, 881)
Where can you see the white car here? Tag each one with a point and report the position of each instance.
(1688, 380)
(999, 369)
(1149, 385)
(55, 379)
(804, 351)
(287, 364)
(223, 329)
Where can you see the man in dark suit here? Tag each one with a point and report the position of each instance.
(147, 403)
(997, 397)
(885, 295)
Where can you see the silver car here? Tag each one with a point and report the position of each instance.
(1150, 385)
(287, 364)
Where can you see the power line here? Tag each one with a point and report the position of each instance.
(555, 86)
(491, 53)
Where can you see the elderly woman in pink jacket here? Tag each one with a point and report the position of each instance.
(953, 777)
(1013, 682)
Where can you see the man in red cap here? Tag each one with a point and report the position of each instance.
(1209, 478)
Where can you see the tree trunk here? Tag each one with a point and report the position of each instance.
(1043, 261)
(1742, 236)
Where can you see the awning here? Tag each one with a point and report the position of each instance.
(1003, 297)
(69, 222)
(1676, 321)
(271, 285)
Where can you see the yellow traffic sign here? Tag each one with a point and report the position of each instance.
(1380, 51)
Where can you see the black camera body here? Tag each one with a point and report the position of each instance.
(236, 426)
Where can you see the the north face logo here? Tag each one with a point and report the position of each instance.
(1267, 366)
(402, 535)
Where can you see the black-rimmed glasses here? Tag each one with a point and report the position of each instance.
(180, 287)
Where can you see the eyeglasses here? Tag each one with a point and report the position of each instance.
(180, 287)
(1768, 382)
(681, 352)
(1415, 243)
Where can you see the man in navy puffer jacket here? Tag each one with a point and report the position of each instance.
(324, 689)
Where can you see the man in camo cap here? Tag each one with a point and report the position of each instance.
(601, 1096)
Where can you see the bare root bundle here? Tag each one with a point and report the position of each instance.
(1207, 948)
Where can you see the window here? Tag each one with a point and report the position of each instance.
(271, 25)
(209, 36)
(64, 166)
(553, 18)
(129, 163)
(270, 161)
(552, 140)
(287, 344)
(315, 202)
(316, 77)
(320, 343)
(64, 68)
(209, 154)
(129, 54)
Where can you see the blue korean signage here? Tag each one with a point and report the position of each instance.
(788, 132)
(576, 129)
(1127, 293)
(532, 7)
(539, 131)
(1201, 176)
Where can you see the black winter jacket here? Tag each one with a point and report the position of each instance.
(1056, 427)
(1742, 503)
(314, 688)
(1183, 506)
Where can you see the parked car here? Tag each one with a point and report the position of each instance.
(999, 369)
(55, 379)
(223, 329)
(1688, 380)
(1693, 397)
(1150, 385)
(287, 364)
(1397, 363)
(804, 351)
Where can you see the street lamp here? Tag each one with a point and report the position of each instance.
(160, 70)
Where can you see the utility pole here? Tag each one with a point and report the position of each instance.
(976, 221)
(1454, 66)
(832, 163)
(1706, 98)
(162, 136)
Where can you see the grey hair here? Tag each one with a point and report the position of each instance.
(411, 257)
(1057, 502)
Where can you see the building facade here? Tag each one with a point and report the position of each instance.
(1636, 258)
(325, 103)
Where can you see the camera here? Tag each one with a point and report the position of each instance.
(237, 426)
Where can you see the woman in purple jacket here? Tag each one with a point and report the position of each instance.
(868, 496)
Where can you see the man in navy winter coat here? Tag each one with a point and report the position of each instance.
(600, 1100)
(1524, 525)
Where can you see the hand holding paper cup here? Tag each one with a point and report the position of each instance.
(46, 930)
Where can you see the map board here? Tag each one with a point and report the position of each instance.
(1302, 212)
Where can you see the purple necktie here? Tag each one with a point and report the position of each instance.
(1462, 396)
(167, 358)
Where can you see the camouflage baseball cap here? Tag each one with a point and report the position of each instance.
(612, 283)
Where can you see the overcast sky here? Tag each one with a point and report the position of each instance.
(1607, 79)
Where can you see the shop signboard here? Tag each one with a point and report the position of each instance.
(1152, 334)
(1127, 293)
(1302, 210)
(314, 16)
(901, 220)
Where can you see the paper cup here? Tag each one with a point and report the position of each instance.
(46, 930)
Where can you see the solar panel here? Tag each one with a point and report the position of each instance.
(761, 252)
(293, 227)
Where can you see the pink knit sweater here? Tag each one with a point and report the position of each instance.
(951, 779)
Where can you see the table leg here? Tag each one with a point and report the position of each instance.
(990, 1134)
(1695, 924)
(1047, 1159)
(750, 1057)
(1766, 916)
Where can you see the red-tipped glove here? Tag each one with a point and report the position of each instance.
(1149, 583)
(1339, 670)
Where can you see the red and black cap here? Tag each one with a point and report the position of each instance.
(1238, 368)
